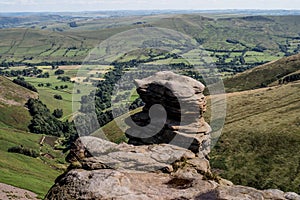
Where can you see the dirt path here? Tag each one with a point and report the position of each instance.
(11, 192)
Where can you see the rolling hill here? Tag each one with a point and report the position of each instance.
(264, 75)
(257, 39)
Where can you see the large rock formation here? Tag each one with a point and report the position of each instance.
(179, 118)
(166, 157)
(159, 171)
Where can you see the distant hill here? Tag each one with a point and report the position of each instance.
(232, 40)
(12, 100)
(264, 75)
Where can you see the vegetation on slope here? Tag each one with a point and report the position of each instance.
(261, 139)
(12, 100)
(264, 75)
(36, 173)
(23, 171)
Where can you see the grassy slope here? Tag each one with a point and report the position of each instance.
(112, 131)
(12, 100)
(20, 170)
(263, 75)
(15, 169)
(261, 138)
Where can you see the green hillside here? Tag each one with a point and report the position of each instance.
(23, 171)
(34, 174)
(230, 41)
(12, 100)
(260, 143)
(264, 75)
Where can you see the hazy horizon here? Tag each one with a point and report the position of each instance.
(114, 5)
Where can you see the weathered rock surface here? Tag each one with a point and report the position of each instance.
(169, 160)
(108, 155)
(179, 118)
(147, 172)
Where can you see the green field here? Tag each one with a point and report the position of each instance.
(46, 93)
(20, 170)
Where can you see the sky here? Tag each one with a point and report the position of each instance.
(96, 5)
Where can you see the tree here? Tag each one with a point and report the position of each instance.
(43, 122)
(58, 113)
(21, 82)
(72, 24)
(57, 96)
(54, 67)
(59, 71)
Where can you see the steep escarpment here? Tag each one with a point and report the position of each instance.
(166, 158)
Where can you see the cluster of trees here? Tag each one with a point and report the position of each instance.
(64, 78)
(61, 87)
(57, 96)
(42, 84)
(45, 75)
(259, 48)
(59, 72)
(72, 24)
(24, 151)
(8, 64)
(21, 81)
(290, 78)
(58, 113)
(30, 71)
(44, 122)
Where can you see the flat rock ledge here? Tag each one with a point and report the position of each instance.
(159, 171)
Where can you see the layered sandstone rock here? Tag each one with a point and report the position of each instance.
(146, 172)
(166, 157)
(173, 113)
